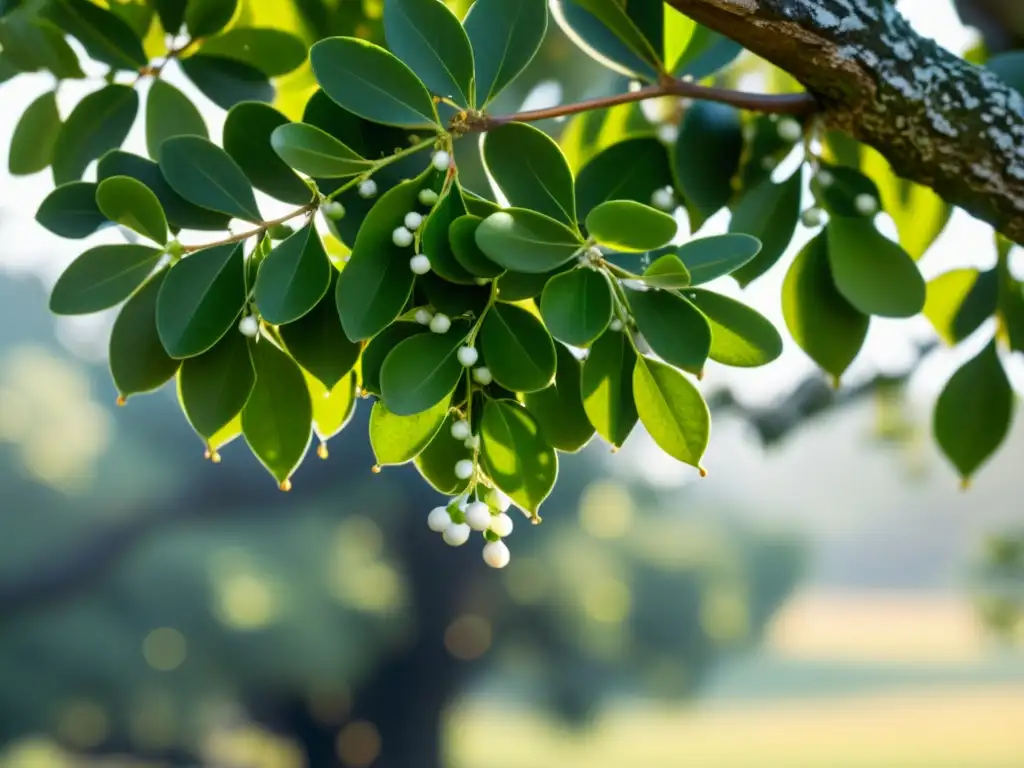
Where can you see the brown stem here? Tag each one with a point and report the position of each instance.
(263, 227)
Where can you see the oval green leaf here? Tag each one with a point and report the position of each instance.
(247, 138)
(625, 225)
(293, 278)
(675, 329)
(71, 211)
(559, 408)
(380, 346)
(667, 271)
(215, 386)
(138, 361)
(272, 51)
(523, 241)
(607, 387)
(672, 410)
(577, 306)
(170, 113)
(505, 36)
(98, 123)
(436, 463)
(516, 456)
(132, 204)
(707, 155)
(35, 136)
(740, 336)
(627, 170)
(400, 439)
(101, 278)
(206, 175)
(770, 212)
(208, 17)
(518, 348)
(429, 38)
(421, 372)
(709, 258)
(434, 240)
(315, 152)
(333, 408)
(462, 239)
(105, 37)
(225, 81)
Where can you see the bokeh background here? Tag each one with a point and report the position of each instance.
(827, 597)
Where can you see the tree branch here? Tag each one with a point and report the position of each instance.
(937, 119)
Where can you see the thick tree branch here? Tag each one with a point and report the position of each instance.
(939, 120)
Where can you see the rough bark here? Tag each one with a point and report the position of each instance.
(939, 120)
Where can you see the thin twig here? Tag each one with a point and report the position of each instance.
(263, 227)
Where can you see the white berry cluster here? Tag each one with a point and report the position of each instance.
(457, 521)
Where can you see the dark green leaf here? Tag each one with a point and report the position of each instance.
(208, 17)
(607, 387)
(516, 286)
(277, 419)
(980, 303)
(71, 211)
(247, 138)
(169, 113)
(98, 123)
(453, 299)
(668, 271)
(436, 463)
(272, 51)
(138, 362)
(523, 241)
(625, 225)
(839, 196)
(821, 321)
(628, 170)
(604, 29)
(171, 13)
(707, 155)
(531, 171)
(505, 36)
(34, 136)
(577, 306)
(706, 53)
(478, 206)
(515, 455)
(871, 271)
(105, 37)
(293, 278)
(974, 412)
(675, 329)
(672, 411)
(709, 258)
(380, 346)
(206, 175)
(1011, 305)
(740, 336)
(519, 350)
(201, 300)
(422, 371)
(946, 295)
(399, 439)
(462, 239)
(770, 213)
(434, 238)
(227, 82)
(370, 82)
(318, 343)
(101, 278)
(559, 408)
(216, 385)
(315, 152)
(132, 204)
(429, 38)
(30, 43)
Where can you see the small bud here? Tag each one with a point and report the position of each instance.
(472, 442)
(664, 199)
(441, 160)
(461, 430)
(427, 197)
(866, 204)
(593, 253)
(321, 450)
(175, 249)
(456, 534)
(249, 326)
(825, 178)
(412, 221)
(668, 133)
(615, 325)
(440, 323)
(401, 237)
(367, 188)
(424, 316)
(482, 375)
(496, 554)
(439, 520)
(812, 218)
(790, 130)
(498, 500)
(464, 469)
(285, 485)
(468, 356)
(419, 264)
(478, 516)
(502, 525)
(333, 210)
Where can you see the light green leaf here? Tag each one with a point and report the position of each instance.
(707, 155)
(667, 271)
(379, 347)
(132, 204)
(709, 258)
(672, 411)
(577, 306)
(138, 362)
(35, 136)
(429, 38)
(740, 336)
(516, 456)
(169, 113)
(422, 371)
(625, 225)
(523, 241)
(607, 387)
(272, 51)
(505, 36)
(208, 17)
(436, 463)
(71, 211)
(945, 296)
(332, 409)
(293, 278)
(399, 439)
(518, 349)
(105, 37)
(30, 43)
(206, 175)
(216, 385)
(769, 212)
(559, 408)
(314, 152)
(434, 240)
(675, 329)
(98, 123)
(102, 277)
(247, 139)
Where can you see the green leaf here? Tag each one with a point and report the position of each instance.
(208, 17)
(769, 212)
(98, 123)
(462, 240)
(201, 300)
(628, 170)
(974, 412)
(30, 43)
(668, 271)
(1009, 66)
(523, 241)
(138, 362)
(839, 197)
(672, 411)
(272, 51)
(871, 271)
(625, 225)
(206, 175)
(317, 342)
(1011, 304)
(71, 211)
(820, 320)
(215, 386)
(605, 30)
(429, 38)
(516, 286)
(247, 139)
(225, 81)
(132, 204)
(377, 282)
(434, 237)
(978, 305)
(170, 113)
(315, 152)
(102, 277)
(707, 155)
(105, 37)
(278, 417)
(518, 348)
(505, 36)
(709, 258)
(559, 408)
(332, 409)
(706, 53)
(400, 439)
(740, 336)
(945, 296)
(422, 371)
(35, 136)
(531, 171)
(436, 463)
(172, 16)
(577, 306)
(293, 278)
(675, 329)
(380, 346)
(516, 456)
(370, 82)
(607, 387)
(453, 299)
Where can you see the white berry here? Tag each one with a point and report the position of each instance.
(439, 520)
(866, 204)
(368, 188)
(413, 221)
(419, 264)
(478, 516)
(456, 534)
(468, 356)
(442, 160)
(502, 525)
(615, 325)
(440, 323)
(464, 469)
(496, 554)
(790, 130)
(424, 316)
(668, 133)
(249, 326)
(461, 430)
(663, 199)
(333, 210)
(401, 237)
(812, 217)
(825, 178)
(427, 197)
(482, 375)
(498, 500)
(472, 442)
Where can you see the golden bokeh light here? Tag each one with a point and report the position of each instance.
(468, 637)
(164, 649)
(358, 744)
